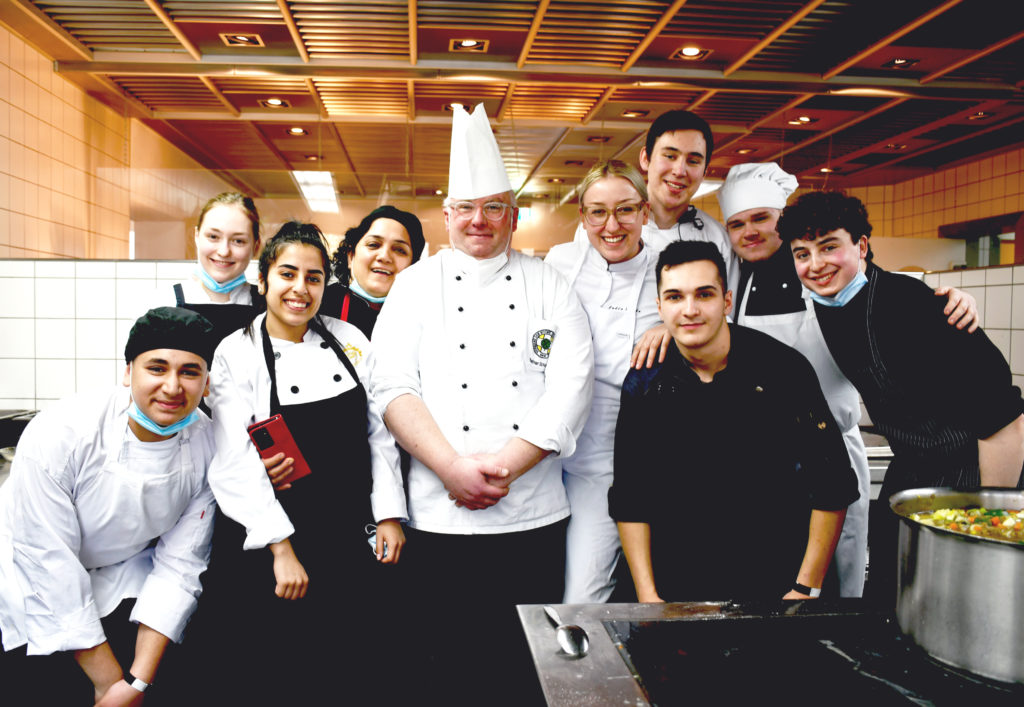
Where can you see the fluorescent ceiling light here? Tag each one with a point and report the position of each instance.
(708, 186)
(317, 191)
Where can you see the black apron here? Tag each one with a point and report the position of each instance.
(250, 633)
(225, 318)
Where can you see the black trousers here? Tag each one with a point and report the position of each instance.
(469, 647)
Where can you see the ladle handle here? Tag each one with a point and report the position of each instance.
(552, 616)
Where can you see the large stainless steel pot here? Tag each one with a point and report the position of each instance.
(961, 598)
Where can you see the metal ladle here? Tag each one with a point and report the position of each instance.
(572, 639)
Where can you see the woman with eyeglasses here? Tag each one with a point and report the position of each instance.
(613, 274)
(386, 242)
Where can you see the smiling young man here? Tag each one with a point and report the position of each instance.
(731, 478)
(943, 398)
(108, 502)
(675, 158)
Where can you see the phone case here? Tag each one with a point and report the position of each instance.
(272, 436)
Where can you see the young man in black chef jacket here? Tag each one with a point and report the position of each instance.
(943, 398)
(731, 477)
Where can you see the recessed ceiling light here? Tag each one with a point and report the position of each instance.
(233, 39)
(635, 113)
(574, 163)
(899, 63)
(980, 115)
(453, 106)
(599, 138)
(297, 131)
(312, 158)
(438, 192)
(690, 52)
(556, 180)
(895, 146)
(827, 170)
(274, 103)
(745, 150)
(468, 44)
(802, 120)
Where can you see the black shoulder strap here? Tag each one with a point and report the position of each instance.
(179, 295)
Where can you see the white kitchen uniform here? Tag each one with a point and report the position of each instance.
(496, 349)
(801, 331)
(78, 519)
(619, 300)
(712, 232)
(307, 371)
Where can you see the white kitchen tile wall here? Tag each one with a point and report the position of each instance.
(64, 323)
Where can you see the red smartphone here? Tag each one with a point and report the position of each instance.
(272, 436)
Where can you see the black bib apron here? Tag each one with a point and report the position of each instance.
(253, 634)
(225, 318)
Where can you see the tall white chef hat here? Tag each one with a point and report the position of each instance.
(476, 168)
(755, 185)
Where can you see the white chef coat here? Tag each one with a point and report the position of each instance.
(469, 337)
(713, 232)
(619, 300)
(78, 514)
(240, 396)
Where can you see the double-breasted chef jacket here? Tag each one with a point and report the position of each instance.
(91, 516)
(619, 299)
(307, 371)
(495, 349)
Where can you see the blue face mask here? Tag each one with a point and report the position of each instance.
(214, 286)
(355, 287)
(844, 295)
(140, 417)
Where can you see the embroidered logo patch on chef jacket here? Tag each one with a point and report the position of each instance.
(542, 340)
(354, 353)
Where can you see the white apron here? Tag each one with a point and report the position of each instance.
(801, 331)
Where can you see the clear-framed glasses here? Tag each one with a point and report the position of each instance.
(625, 214)
(493, 210)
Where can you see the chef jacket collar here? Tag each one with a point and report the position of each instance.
(482, 270)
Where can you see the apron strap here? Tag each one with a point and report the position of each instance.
(344, 307)
(179, 295)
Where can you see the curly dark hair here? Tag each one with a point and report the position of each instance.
(819, 212)
(409, 222)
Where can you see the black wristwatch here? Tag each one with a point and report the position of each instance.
(812, 592)
(137, 683)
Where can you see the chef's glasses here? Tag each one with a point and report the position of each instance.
(493, 210)
(625, 214)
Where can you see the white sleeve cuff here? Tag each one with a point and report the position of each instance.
(164, 606)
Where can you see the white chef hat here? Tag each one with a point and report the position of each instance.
(755, 185)
(476, 168)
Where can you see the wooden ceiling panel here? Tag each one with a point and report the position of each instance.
(370, 81)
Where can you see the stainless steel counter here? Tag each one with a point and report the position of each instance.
(738, 653)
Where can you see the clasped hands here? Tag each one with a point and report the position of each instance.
(477, 481)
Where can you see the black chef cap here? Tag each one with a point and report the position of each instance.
(171, 328)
